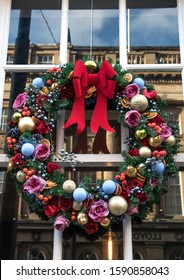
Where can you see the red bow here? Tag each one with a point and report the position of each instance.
(105, 87)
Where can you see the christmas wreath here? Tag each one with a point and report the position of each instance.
(148, 163)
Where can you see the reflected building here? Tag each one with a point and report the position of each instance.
(161, 235)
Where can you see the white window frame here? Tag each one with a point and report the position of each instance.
(88, 159)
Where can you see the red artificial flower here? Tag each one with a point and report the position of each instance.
(150, 95)
(135, 183)
(125, 192)
(67, 91)
(52, 166)
(87, 203)
(42, 127)
(134, 152)
(158, 120)
(41, 99)
(50, 210)
(141, 196)
(17, 160)
(145, 141)
(65, 204)
(91, 227)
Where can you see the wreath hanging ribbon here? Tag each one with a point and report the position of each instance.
(105, 87)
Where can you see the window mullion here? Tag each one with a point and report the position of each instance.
(180, 7)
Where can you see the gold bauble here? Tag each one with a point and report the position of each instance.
(16, 116)
(105, 222)
(139, 102)
(131, 171)
(155, 141)
(91, 64)
(140, 134)
(45, 142)
(54, 86)
(10, 165)
(77, 206)
(117, 205)
(128, 77)
(20, 176)
(171, 140)
(26, 124)
(69, 186)
(82, 218)
(145, 152)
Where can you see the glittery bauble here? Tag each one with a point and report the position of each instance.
(26, 124)
(54, 86)
(82, 218)
(145, 152)
(77, 206)
(155, 141)
(128, 77)
(109, 187)
(140, 133)
(139, 82)
(45, 141)
(69, 186)
(20, 176)
(16, 116)
(27, 149)
(171, 140)
(38, 82)
(79, 194)
(117, 205)
(158, 168)
(139, 102)
(105, 222)
(91, 64)
(131, 171)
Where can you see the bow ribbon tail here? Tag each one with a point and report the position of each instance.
(99, 117)
(77, 115)
(80, 86)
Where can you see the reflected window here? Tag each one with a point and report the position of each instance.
(172, 199)
(45, 59)
(4, 117)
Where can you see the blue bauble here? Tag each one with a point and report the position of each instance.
(109, 186)
(158, 168)
(79, 194)
(38, 82)
(139, 82)
(27, 149)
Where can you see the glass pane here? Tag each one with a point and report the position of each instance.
(172, 201)
(89, 143)
(98, 28)
(30, 30)
(153, 36)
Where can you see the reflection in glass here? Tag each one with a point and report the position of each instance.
(41, 27)
(153, 27)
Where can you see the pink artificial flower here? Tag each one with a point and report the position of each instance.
(42, 152)
(98, 210)
(132, 118)
(166, 131)
(20, 101)
(131, 90)
(61, 223)
(132, 210)
(153, 182)
(34, 185)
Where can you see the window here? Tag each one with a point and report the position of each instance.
(4, 119)
(10, 58)
(172, 199)
(45, 59)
